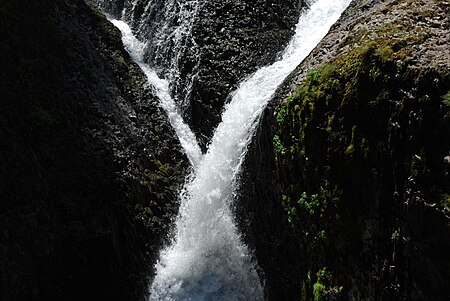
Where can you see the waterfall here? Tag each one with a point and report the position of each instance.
(167, 26)
(161, 87)
(207, 259)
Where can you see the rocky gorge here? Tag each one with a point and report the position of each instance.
(344, 192)
(228, 40)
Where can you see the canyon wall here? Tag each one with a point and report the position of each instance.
(90, 165)
(355, 150)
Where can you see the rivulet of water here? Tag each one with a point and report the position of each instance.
(161, 87)
(166, 26)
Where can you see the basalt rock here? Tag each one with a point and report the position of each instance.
(234, 39)
(89, 167)
(223, 42)
(359, 160)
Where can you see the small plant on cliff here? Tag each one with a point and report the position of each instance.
(278, 145)
(445, 201)
(323, 289)
(291, 210)
(313, 75)
(446, 99)
(309, 203)
(318, 291)
(281, 115)
(320, 287)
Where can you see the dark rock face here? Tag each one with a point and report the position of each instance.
(260, 215)
(345, 191)
(226, 41)
(361, 141)
(89, 167)
(234, 39)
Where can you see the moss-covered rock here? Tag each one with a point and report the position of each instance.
(360, 146)
(361, 143)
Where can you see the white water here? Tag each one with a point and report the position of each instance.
(207, 259)
(181, 36)
(161, 86)
(172, 37)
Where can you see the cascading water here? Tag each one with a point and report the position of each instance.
(161, 86)
(167, 25)
(207, 259)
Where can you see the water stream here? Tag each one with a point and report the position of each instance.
(168, 25)
(136, 49)
(207, 259)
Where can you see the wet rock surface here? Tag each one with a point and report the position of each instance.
(234, 39)
(90, 166)
(260, 215)
(225, 41)
(345, 191)
(360, 136)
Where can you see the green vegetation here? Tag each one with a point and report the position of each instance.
(318, 291)
(291, 210)
(281, 115)
(445, 201)
(279, 148)
(327, 135)
(313, 75)
(446, 99)
(324, 289)
(369, 117)
(324, 118)
(309, 203)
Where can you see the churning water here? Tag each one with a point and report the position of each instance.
(207, 259)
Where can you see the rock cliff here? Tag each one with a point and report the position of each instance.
(220, 44)
(89, 167)
(345, 191)
(355, 149)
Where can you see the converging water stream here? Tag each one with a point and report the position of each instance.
(207, 259)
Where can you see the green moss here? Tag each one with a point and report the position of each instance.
(280, 150)
(446, 99)
(445, 201)
(385, 53)
(281, 115)
(335, 129)
(310, 204)
(313, 75)
(318, 291)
